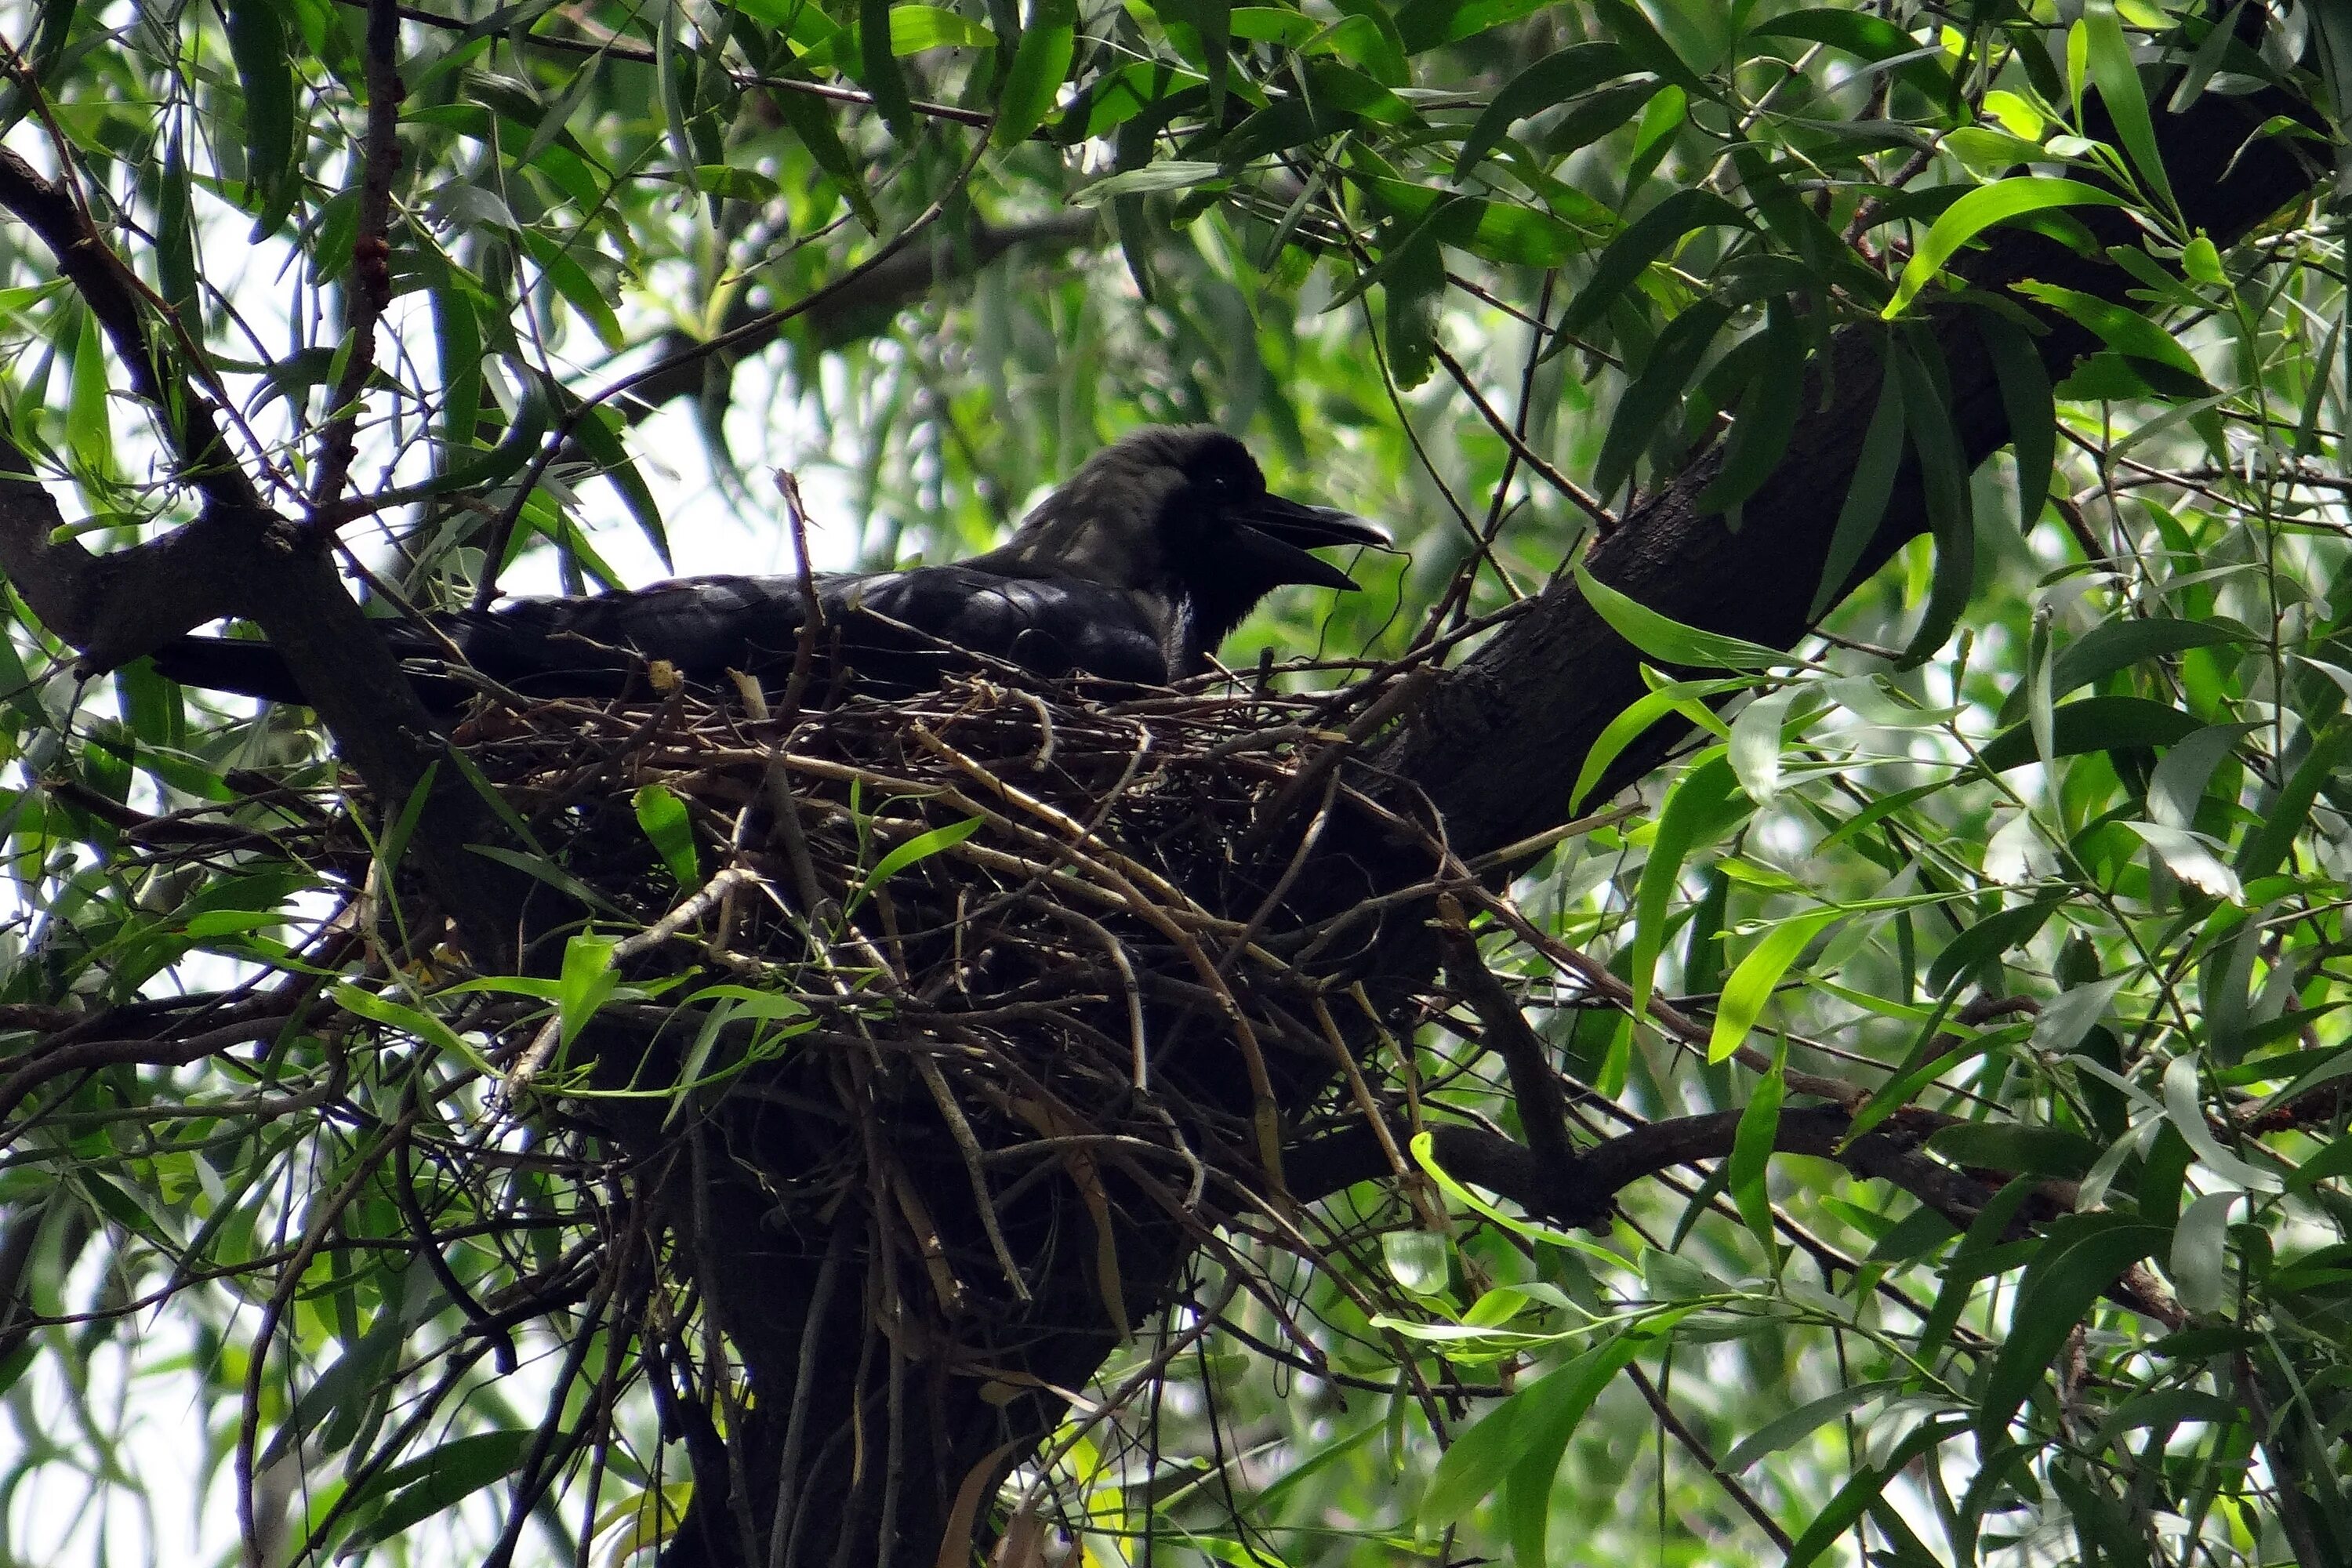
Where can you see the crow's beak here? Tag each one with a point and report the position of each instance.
(1276, 535)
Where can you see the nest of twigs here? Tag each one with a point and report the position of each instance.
(945, 954)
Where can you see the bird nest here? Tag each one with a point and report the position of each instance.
(958, 950)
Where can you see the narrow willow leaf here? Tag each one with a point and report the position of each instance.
(2184, 1107)
(1551, 80)
(1867, 492)
(920, 847)
(1647, 402)
(1751, 1153)
(663, 817)
(1644, 240)
(1664, 638)
(1704, 803)
(265, 74)
(2200, 1260)
(1040, 62)
(1767, 416)
(2118, 80)
(1753, 982)
(2081, 1255)
(2001, 202)
(1756, 745)
(2192, 858)
(1951, 516)
(1786, 1431)
(2032, 411)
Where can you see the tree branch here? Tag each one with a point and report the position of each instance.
(1487, 741)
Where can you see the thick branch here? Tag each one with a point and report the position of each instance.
(1582, 1190)
(859, 311)
(113, 294)
(1489, 745)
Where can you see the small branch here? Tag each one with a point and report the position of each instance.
(1543, 1106)
(164, 1050)
(371, 283)
(117, 298)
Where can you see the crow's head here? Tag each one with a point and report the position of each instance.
(1180, 516)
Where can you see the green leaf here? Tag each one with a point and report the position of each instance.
(2079, 1258)
(1639, 715)
(2119, 645)
(175, 240)
(2004, 200)
(379, 1009)
(1753, 982)
(2123, 329)
(1671, 640)
(921, 847)
(2095, 724)
(265, 74)
(90, 429)
(1040, 62)
(2184, 1107)
(2283, 817)
(1786, 1431)
(1646, 404)
(2117, 80)
(1520, 1442)
(1554, 80)
(1767, 416)
(588, 981)
(2026, 398)
(1169, 175)
(1704, 803)
(459, 340)
(1426, 24)
(1870, 38)
(1647, 238)
(1951, 515)
(812, 122)
(877, 68)
(1414, 286)
(1867, 492)
(434, 1482)
(1755, 749)
(1751, 1150)
(2192, 858)
(2018, 1150)
(2200, 1259)
(599, 435)
(1864, 1489)
(1987, 940)
(663, 816)
(914, 28)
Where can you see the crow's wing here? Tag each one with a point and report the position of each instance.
(885, 632)
(904, 627)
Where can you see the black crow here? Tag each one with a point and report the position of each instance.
(1135, 570)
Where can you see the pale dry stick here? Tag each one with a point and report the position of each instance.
(323, 1223)
(1141, 1074)
(543, 1044)
(784, 807)
(968, 1145)
(1596, 977)
(1172, 896)
(1683, 1028)
(1043, 758)
(1283, 884)
(1137, 1381)
(918, 1214)
(1410, 1179)
(1538, 843)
